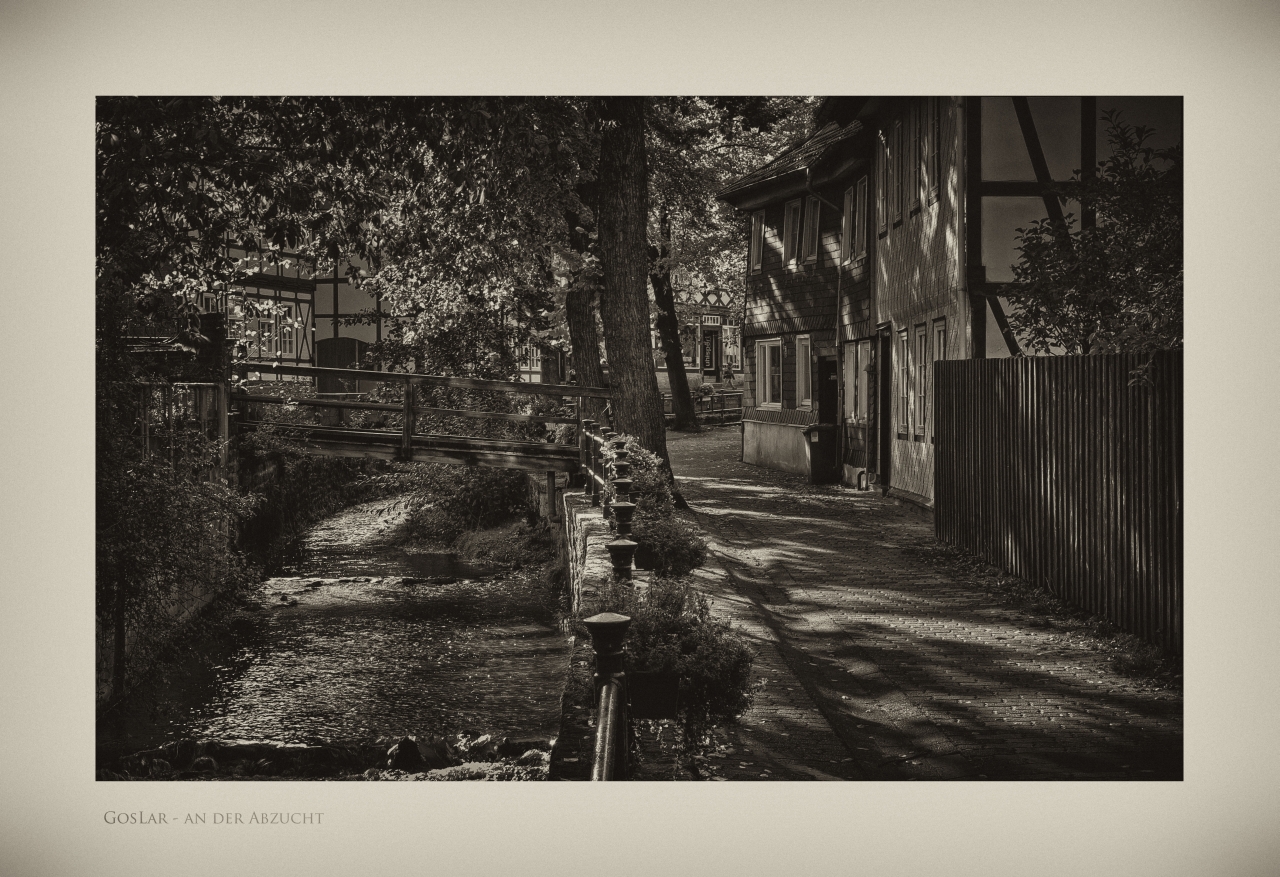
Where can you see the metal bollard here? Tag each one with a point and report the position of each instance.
(608, 633)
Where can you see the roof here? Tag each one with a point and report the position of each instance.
(805, 156)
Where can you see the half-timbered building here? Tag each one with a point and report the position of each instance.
(881, 244)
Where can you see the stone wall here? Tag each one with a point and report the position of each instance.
(590, 572)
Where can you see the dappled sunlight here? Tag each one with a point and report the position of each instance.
(918, 674)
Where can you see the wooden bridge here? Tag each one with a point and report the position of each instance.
(406, 443)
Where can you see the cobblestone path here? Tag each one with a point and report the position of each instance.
(877, 665)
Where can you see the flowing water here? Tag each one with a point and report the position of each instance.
(362, 641)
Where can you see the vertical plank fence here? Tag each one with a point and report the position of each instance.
(1065, 472)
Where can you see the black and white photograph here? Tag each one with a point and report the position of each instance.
(840, 431)
(639, 438)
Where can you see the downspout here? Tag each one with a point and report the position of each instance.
(808, 187)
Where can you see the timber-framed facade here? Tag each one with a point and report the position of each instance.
(880, 245)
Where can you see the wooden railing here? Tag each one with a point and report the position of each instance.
(407, 443)
(723, 406)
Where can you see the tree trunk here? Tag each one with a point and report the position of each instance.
(668, 326)
(624, 303)
(580, 314)
(585, 356)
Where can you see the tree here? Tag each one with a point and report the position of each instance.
(622, 215)
(696, 145)
(1117, 286)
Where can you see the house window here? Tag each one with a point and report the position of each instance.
(882, 187)
(856, 357)
(288, 331)
(921, 382)
(809, 241)
(804, 375)
(939, 352)
(860, 221)
(846, 226)
(904, 384)
(895, 172)
(860, 404)
(918, 152)
(266, 337)
(935, 142)
(769, 373)
(757, 241)
(790, 233)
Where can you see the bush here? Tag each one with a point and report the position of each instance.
(305, 489)
(672, 631)
(668, 545)
(514, 545)
(448, 501)
(163, 549)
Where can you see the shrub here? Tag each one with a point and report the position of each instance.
(672, 631)
(515, 545)
(448, 501)
(668, 545)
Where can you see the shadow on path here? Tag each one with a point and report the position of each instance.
(916, 675)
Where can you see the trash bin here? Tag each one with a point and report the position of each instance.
(823, 442)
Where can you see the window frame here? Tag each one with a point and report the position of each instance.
(860, 221)
(903, 424)
(921, 395)
(917, 156)
(882, 190)
(286, 333)
(809, 231)
(266, 336)
(755, 254)
(939, 333)
(804, 373)
(791, 233)
(846, 227)
(934, 148)
(762, 383)
(896, 171)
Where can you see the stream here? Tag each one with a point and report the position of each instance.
(362, 641)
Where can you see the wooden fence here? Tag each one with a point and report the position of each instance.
(1067, 472)
(724, 406)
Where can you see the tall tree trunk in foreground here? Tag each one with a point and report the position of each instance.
(668, 326)
(624, 303)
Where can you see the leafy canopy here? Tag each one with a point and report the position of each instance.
(1116, 287)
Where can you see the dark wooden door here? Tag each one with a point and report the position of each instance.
(828, 390)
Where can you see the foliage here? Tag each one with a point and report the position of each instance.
(1118, 287)
(303, 490)
(163, 549)
(697, 145)
(514, 545)
(670, 545)
(448, 501)
(672, 631)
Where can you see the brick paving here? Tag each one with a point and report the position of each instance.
(876, 664)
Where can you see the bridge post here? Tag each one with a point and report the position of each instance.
(406, 439)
